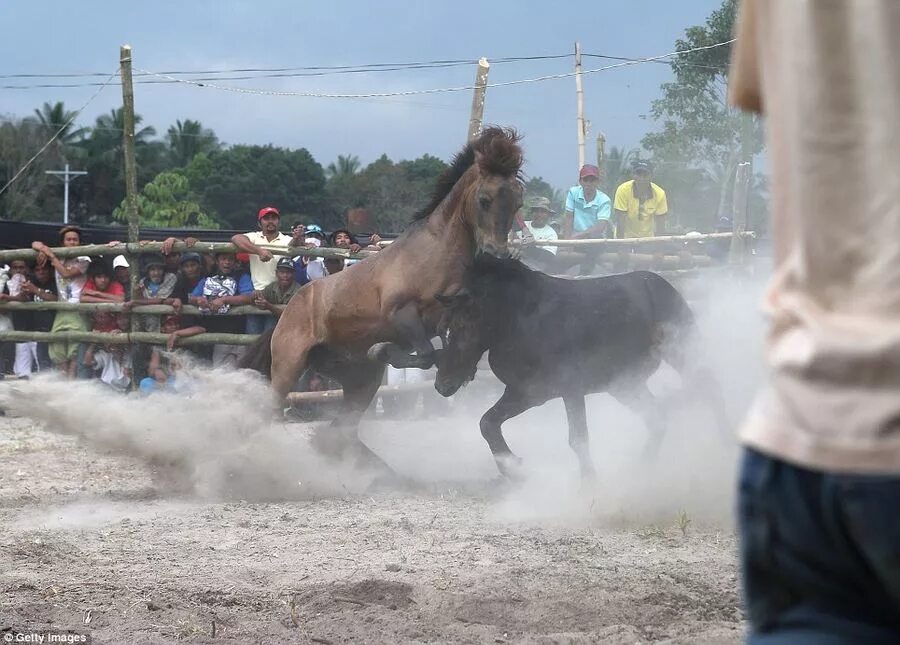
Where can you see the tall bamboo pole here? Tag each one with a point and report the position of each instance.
(579, 94)
(477, 112)
(131, 206)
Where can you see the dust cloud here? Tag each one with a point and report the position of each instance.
(217, 441)
(222, 441)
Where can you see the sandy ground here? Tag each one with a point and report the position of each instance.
(95, 540)
(258, 540)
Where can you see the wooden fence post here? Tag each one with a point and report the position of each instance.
(131, 205)
(739, 213)
(579, 95)
(477, 112)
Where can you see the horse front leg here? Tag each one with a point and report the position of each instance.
(578, 437)
(408, 324)
(512, 403)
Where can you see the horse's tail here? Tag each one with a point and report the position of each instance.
(673, 316)
(258, 356)
(680, 340)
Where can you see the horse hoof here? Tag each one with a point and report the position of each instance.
(511, 469)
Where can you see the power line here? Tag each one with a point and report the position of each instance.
(258, 92)
(313, 70)
(57, 133)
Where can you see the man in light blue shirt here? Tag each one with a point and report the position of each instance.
(588, 215)
(588, 210)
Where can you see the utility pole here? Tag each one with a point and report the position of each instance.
(477, 112)
(66, 176)
(130, 168)
(579, 94)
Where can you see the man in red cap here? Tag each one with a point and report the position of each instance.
(588, 213)
(258, 244)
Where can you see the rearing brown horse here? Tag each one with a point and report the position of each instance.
(389, 299)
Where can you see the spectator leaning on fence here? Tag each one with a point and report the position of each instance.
(120, 271)
(25, 354)
(215, 295)
(99, 288)
(71, 275)
(258, 245)
(278, 292)
(640, 205)
(588, 213)
(40, 287)
(538, 229)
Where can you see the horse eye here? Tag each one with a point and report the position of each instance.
(484, 202)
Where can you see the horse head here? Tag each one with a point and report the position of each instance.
(461, 329)
(495, 195)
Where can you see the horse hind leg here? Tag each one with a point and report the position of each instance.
(341, 438)
(640, 400)
(578, 436)
(512, 403)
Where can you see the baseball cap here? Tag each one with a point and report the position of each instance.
(266, 210)
(285, 263)
(540, 202)
(641, 166)
(588, 170)
(120, 261)
(191, 256)
(314, 228)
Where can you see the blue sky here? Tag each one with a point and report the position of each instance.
(57, 37)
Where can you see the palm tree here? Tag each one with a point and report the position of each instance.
(618, 168)
(187, 139)
(344, 167)
(56, 118)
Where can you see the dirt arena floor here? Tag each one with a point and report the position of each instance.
(195, 518)
(97, 539)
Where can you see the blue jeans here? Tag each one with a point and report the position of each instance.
(820, 554)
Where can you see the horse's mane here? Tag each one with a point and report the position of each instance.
(500, 155)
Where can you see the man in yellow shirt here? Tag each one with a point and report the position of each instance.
(640, 205)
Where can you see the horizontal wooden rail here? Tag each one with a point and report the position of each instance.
(140, 248)
(90, 307)
(124, 338)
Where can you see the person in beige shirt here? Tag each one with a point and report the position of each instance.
(819, 492)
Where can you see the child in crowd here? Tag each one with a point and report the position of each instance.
(279, 292)
(164, 368)
(216, 294)
(111, 362)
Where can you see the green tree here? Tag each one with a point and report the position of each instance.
(537, 187)
(104, 158)
(392, 192)
(31, 195)
(617, 168)
(233, 184)
(55, 118)
(343, 167)
(700, 136)
(166, 202)
(186, 139)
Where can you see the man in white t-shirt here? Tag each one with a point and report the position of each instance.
(542, 258)
(819, 494)
(259, 244)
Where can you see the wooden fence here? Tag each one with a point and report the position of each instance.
(681, 258)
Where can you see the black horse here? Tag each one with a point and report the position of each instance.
(552, 337)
